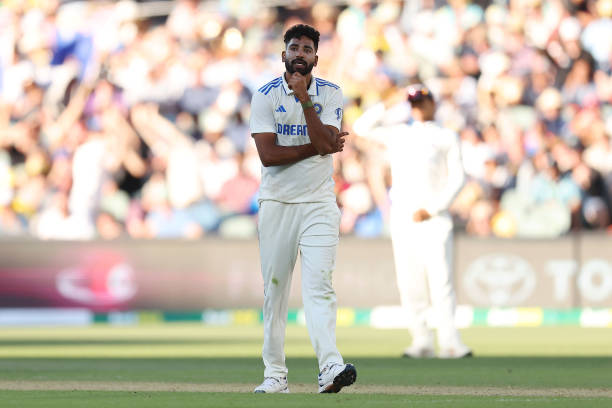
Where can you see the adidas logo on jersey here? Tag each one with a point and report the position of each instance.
(281, 109)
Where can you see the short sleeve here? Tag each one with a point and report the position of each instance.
(262, 116)
(332, 112)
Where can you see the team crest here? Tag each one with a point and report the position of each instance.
(318, 108)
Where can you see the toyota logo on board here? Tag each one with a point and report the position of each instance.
(499, 280)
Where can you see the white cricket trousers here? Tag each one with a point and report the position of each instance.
(312, 229)
(423, 263)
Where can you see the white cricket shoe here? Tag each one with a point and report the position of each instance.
(333, 377)
(273, 384)
(419, 351)
(456, 352)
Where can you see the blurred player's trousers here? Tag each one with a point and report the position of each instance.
(423, 263)
(312, 229)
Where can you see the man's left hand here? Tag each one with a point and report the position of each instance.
(421, 215)
(339, 142)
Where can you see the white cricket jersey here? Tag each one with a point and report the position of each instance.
(425, 160)
(275, 109)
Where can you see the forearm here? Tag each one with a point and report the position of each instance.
(74, 109)
(321, 137)
(456, 178)
(134, 164)
(446, 197)
(282, 155)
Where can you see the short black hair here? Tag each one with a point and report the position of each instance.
(299, 30)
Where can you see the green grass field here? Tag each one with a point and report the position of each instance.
(189, 365)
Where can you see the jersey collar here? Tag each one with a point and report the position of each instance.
(312, 89)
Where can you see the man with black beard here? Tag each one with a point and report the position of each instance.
(296, 121)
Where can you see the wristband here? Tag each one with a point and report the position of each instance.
(307, 104)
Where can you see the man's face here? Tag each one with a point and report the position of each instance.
(300, 56)
(427, 107)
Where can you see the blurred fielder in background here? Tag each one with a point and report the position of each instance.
(295, 121)
(427, 175)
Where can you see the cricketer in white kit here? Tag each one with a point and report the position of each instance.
(295, 121)
(427, 174)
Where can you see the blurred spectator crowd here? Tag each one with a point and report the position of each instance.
(130, 119)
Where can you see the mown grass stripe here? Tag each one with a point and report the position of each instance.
(305, 388)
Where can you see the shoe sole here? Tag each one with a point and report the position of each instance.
(285, 391)
(419, 356)
(469, 354)
(346, 377)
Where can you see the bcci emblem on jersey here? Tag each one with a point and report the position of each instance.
(318, 108)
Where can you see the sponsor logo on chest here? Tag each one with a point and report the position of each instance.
(291, 130)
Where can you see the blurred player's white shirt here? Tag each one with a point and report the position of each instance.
(275, 109)
(89, 173)
(425, 162)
